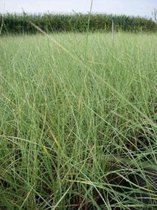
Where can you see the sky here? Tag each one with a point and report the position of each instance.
(129, 7)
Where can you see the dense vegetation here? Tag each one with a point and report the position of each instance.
(13, 23)
(78, 122)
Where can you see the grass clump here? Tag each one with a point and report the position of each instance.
(78, 130)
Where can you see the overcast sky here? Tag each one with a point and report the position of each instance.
(128, 7)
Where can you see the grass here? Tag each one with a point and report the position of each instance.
(78, 122)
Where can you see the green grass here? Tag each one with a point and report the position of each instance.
(78, 122)
(76, 22)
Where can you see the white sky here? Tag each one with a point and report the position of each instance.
(128, 7)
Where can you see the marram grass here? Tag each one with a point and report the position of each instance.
(78, 122)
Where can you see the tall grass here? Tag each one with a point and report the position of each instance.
(78, 131)
(20, 23)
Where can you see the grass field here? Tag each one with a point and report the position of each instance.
(78, 122)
